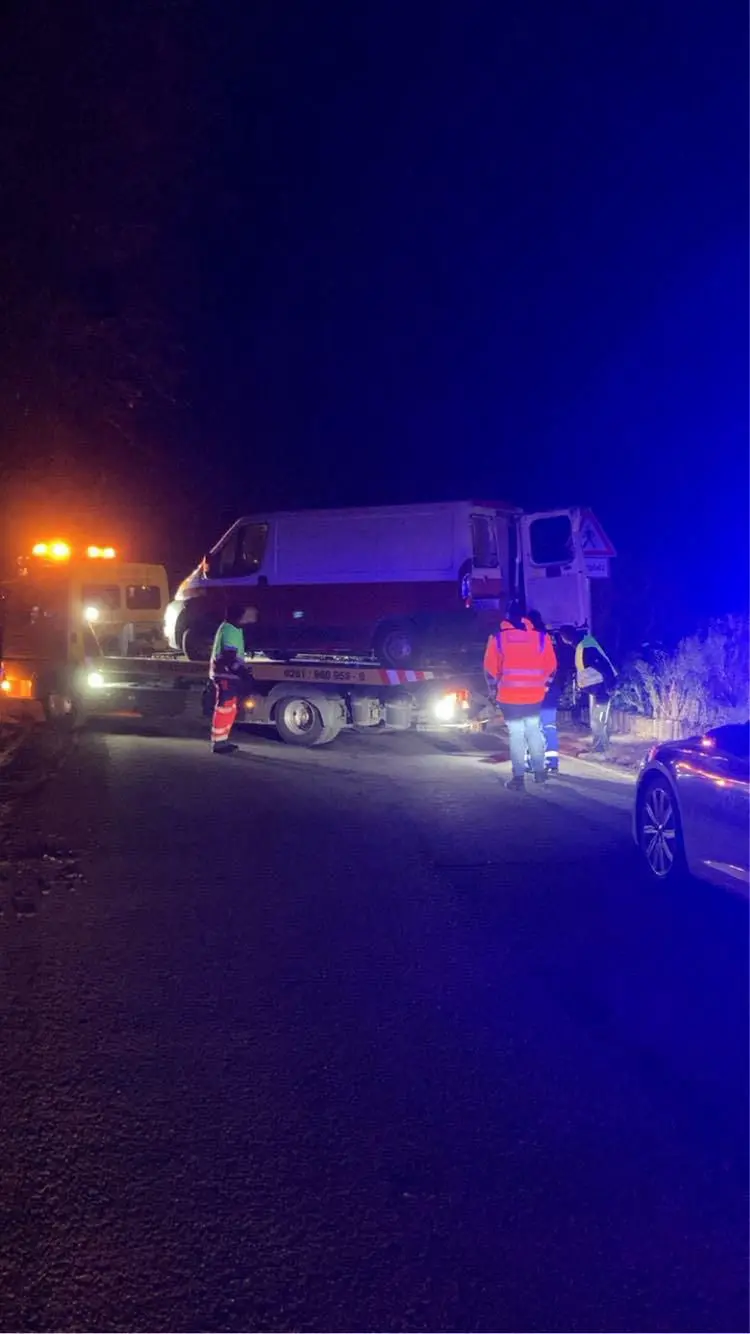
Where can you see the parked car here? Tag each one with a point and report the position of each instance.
(692, 808)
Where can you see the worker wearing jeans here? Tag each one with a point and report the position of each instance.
(548, 711)
(595, 677)
(520, 661)
(525, 736)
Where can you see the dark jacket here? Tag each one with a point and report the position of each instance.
(592, 657)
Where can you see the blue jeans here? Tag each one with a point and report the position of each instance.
(526, 733)
(548, 720)
(551, 743)
(599, 716)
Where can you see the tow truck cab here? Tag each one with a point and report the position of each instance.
(62, 615)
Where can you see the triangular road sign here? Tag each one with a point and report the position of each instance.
(592, 539)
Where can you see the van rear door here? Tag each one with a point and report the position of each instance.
(555, 580)
(486, 570)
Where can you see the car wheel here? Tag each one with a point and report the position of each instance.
(660, 831)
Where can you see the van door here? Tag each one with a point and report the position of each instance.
(486, 573)
(554, 572)
(241, 567)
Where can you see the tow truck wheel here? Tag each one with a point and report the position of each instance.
(61, 710)
(298, 722)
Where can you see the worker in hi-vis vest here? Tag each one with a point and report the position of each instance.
(595, 677)
(520, 662)
(226, 670)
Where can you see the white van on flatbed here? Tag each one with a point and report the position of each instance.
(405, 585)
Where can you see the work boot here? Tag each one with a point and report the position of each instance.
(224, 748)
(516, 784)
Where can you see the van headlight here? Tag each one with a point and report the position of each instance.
(95, 680)
(170, 620)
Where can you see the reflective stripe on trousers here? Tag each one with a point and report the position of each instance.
(225, 709)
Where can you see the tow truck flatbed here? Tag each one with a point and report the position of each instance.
(171, 670)
(308, 701)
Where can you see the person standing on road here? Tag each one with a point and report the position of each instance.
(550, 705)
(226, 671)
(595, 677)
(520, 661)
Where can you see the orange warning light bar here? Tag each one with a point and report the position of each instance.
(52, 550)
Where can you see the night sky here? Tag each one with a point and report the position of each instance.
(286, 254)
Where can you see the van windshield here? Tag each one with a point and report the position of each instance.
(242, 553)
(143, 597)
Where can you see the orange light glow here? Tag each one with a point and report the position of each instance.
(53, 550)
(101, 553)
(18, 688)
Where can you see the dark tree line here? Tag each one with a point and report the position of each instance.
(99, 146)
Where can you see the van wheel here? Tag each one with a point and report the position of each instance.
(197, 642)
(396, 644)
(298, 722)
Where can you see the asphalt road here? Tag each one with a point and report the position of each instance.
(354, 1039)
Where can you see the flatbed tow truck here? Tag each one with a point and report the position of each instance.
(53, 669)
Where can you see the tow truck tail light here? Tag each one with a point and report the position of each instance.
(449, 706)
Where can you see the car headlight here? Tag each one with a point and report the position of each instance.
(95, 680)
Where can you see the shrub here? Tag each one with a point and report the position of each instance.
(704, 683)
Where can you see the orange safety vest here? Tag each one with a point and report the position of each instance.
(522, 662)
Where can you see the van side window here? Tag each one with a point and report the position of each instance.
(143, 597)
(251, 547)
(106, 596)
(551, 540)
(484, 542)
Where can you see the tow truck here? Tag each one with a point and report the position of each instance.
(53, 666)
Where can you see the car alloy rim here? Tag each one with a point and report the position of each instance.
(659, 831)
